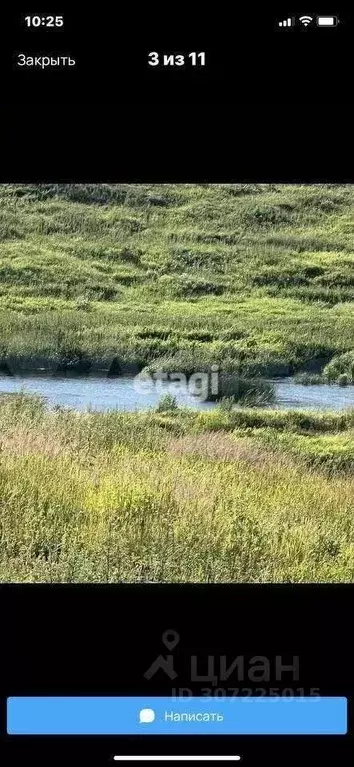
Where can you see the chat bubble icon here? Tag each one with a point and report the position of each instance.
(146, 716)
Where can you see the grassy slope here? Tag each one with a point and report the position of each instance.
(179, 496)
(254, 277)
(257, 277)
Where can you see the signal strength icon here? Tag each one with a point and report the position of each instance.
(305, 20)
(287, 22)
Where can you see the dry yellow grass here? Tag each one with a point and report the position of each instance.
(220, 446)
(114, 497)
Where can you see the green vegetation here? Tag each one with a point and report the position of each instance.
(340, 369)
(175, 495)
(167, 402)
(309, 379)
(256, 278)
(245, 391)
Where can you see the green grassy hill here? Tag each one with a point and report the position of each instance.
(258, 278)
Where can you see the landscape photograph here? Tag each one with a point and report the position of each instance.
(176, 383)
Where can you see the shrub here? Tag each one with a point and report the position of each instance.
(342, 364)
(308, 379)
(226, 404)
(167, 403)
(245, 391)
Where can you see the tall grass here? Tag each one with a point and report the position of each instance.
(175, 496)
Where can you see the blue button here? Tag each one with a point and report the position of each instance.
(176, 716)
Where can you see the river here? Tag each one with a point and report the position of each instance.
(103, 393)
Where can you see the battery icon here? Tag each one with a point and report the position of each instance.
(326, 21)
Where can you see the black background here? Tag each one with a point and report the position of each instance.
(249, 58)
(272, 105)
(99, 640)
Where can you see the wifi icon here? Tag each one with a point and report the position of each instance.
(305, 20)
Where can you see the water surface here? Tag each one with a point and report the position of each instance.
(103, 393)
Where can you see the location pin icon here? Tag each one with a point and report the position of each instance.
(170, 639)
